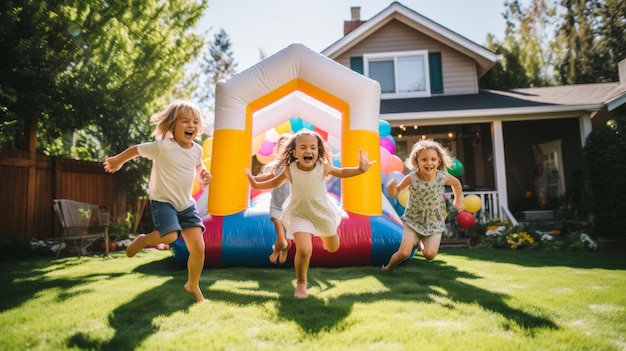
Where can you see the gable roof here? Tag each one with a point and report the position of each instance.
(484, 58)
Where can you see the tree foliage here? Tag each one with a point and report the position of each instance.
(94, 66)
(581, 58)
(559, 42)
(508, 72)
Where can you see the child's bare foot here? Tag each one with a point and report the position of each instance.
(197, 294)
(275, 253)
(135, 246)
(301, 292)
(282, 258)
(386, 268)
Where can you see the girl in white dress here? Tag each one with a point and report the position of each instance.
(308, 211)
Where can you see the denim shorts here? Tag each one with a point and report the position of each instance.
(166, 219)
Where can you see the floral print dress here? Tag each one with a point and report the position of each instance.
(425, 211)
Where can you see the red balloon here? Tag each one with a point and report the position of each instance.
(466, 219)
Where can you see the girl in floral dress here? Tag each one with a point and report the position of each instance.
(425, 214)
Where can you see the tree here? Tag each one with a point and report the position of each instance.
(98, 66)
(508, 72)
(580, 57)
(611, 34)
(528, 35)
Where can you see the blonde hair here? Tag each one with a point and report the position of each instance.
(166, 120)
(443, 154)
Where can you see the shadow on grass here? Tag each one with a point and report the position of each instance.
(27, 278)
(133, 321)
(544, 258)
(415, 280)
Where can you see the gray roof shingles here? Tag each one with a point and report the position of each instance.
(581, 94)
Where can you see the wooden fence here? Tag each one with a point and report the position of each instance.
(29, 183)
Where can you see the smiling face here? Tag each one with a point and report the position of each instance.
(428, 161)
(306, 150)
(186, 129)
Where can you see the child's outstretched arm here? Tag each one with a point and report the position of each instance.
(263, 183)
(203, 176)
(394, 189)
(345, 172)
(457, 190)
(115, 163)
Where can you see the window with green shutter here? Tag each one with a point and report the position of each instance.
(403, 74)
(356, 63)
(436, 73)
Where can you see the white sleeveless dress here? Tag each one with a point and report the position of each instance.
(308, 208)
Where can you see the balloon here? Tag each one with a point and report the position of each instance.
(396, 164)
(466, 219)
(307, 125)
(456, 169)
(256, 142)
(385, 158)
(398, 176)
(207, 163)
(322, 133)
(197, 194)
(264, 159)
(272, 135)
(393, 140)
(384, 128)
(195, 188)
(403, 198)
(207, 147)
(388, 144)
(472, 203)
(296, 124)
(267, 147)
(283, 128)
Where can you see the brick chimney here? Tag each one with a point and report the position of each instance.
(349, 26)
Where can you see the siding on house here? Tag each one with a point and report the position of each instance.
(459, 71)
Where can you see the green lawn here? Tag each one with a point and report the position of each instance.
(466, 299)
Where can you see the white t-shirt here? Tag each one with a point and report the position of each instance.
(173, 171)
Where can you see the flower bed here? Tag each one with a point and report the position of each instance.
(553, 235)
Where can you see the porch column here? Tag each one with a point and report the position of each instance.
(499, 163)
(585, 127)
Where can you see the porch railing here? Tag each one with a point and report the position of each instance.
(491, 207)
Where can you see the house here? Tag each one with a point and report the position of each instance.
(512, 144)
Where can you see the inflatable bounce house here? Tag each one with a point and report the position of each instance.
(293, 89)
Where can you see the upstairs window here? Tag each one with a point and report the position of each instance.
(400, 74)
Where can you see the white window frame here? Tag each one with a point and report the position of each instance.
(367, 58)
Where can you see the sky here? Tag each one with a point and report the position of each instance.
(271, 25)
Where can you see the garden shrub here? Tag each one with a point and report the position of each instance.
(604, 156)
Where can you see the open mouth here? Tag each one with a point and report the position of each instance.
(308, 158)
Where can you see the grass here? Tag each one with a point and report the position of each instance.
(466, 299)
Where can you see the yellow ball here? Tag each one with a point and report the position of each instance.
(472, 203)
(403, 198)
